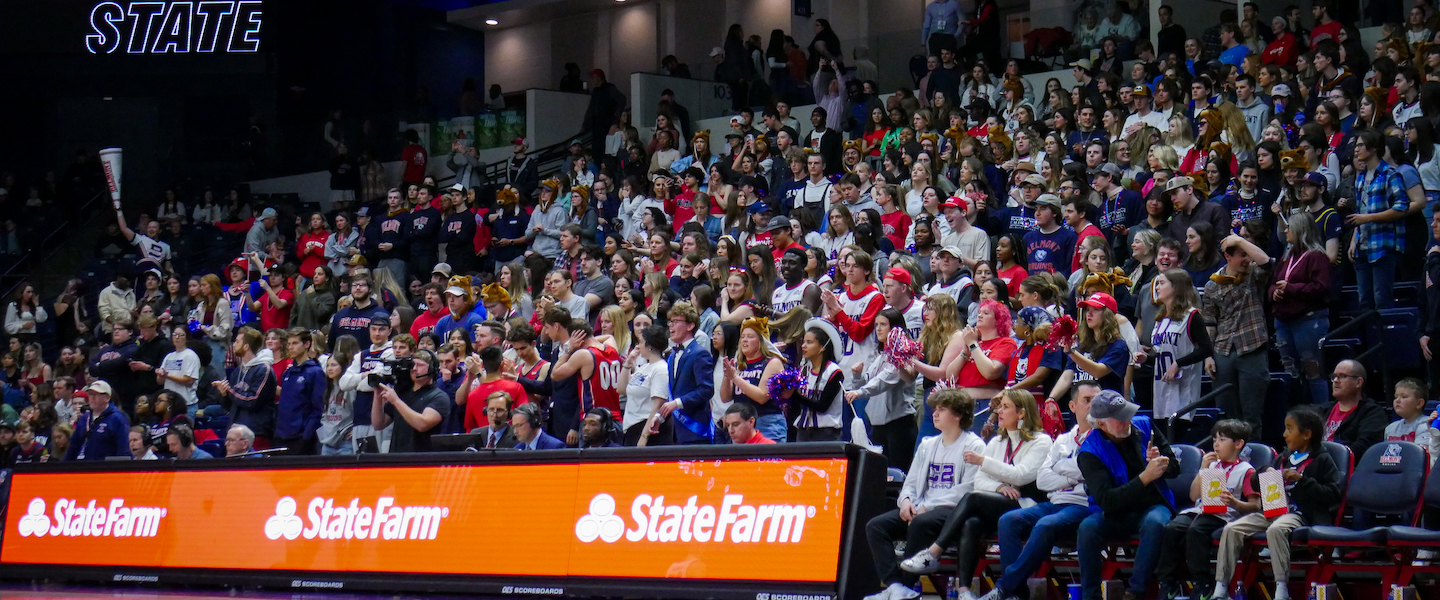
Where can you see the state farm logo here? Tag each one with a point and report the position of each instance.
(70, 519)
(324, 520)
(651, 519)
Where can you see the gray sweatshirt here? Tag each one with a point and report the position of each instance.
(546, 242)
(1257, 116)
(891, 395)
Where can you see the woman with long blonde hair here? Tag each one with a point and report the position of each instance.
(747, 376)
(514, 277)
(738, 303)
(941, 318)
(1180, 137)
(612, 322)
(388, 291)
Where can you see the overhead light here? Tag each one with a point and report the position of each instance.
(491, 22)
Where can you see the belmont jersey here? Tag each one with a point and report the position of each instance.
(786, 298)
(751, 372)
(1171, 341)
(602, 389)
(857, 334)
(152, 251)
(957, 288)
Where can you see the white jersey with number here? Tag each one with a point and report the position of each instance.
(1172, 341)
(854, 352)
(786, 298)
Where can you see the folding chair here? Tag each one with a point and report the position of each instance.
(1389, 480)
(1409, 540)
(1260, 456)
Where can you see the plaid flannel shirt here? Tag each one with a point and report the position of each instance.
(1237, 310)
(1384, 191)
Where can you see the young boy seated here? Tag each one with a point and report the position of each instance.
(1414, 425)
(1189, 536)
(938, 478)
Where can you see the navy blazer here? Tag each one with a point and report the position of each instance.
(692, 372)
(544, 442)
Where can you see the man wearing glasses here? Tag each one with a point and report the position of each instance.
(1352, 419)
(692, 382)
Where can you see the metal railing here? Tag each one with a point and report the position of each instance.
(78, 219)
(1188, 408)
(548, 160)
(1378, 344)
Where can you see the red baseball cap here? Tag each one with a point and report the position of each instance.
(956, 202)
(1099, 300)
(597, 72)
(899, 274)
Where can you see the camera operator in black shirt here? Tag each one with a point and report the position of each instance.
(418, 413)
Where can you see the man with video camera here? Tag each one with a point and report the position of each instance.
(417, 413)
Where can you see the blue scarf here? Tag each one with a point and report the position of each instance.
(1109, 455)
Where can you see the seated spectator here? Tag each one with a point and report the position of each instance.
(525, 422)
(1191, 533)
(181, 440)
(740, 423)
(102, 432)
(239, 440)
(1351, 418)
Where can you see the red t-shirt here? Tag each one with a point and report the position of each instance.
(1332, 29)
(776, 253)
(280, 366)
(896, 226)
(415, 158)
(276, 318)
(425, 322)
(1000, 349)
(873, 140)
(759, 438)
(680, 209)
(475, 402)
(1012, 277)
(1333, 421)
(1090, 230)
(311, 257)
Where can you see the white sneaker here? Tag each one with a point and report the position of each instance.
(882, 595)
(923, 563)
(993, 595)
(900, 591)
(967, 596)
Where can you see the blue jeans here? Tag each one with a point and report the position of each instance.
(772, 426)
(927, 423)
(1099, 527)
(1376, 280)
(1298, 341)
(1026, 537)
(344, 449)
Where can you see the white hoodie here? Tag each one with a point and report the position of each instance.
(1060, 475)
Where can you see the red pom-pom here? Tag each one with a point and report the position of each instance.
(1062, 333)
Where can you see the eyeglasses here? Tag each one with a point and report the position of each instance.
(1339, 376)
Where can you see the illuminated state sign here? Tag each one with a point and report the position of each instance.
(206, 27)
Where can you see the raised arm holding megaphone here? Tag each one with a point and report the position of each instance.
(110, 160)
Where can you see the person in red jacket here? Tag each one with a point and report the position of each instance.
(310, 248)
(1280, 52)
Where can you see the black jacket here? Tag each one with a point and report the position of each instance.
(1317, 494)
(1430, 313)
(606, 104)
(151, 352)
(1362, 428)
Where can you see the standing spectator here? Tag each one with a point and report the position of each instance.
(1124, 468)
(414, 158)
(113, 363)
(249, 393)
(116, 302)
(423, 233)
(344, 179)
(1172, 35)
(1300, 302)
(262, 234)
(1428, 328)
(942, 25)
(692, 385)
(1050, 243)
(302, 397)
(150, 352)
(1381, 205)
(22, 315)
(310, 247)
(102, 432)
(484, 377)
(372, 178)
(1353, 419)
(179, 372)
(606, 104)
(1234, 306)
(340, 246)
(277, 303)
(355, 320)
(1191, 207)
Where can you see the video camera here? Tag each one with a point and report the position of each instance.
(394, 372)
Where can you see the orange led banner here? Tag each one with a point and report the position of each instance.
(726, 519)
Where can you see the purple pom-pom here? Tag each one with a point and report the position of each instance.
(786, 380)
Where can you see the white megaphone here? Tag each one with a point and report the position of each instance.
(110, 159)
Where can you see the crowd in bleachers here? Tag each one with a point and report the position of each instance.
(1037, 304)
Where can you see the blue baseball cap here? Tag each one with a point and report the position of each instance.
(1314, 178)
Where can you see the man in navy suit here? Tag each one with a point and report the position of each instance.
(525, 422)
(692, 384)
